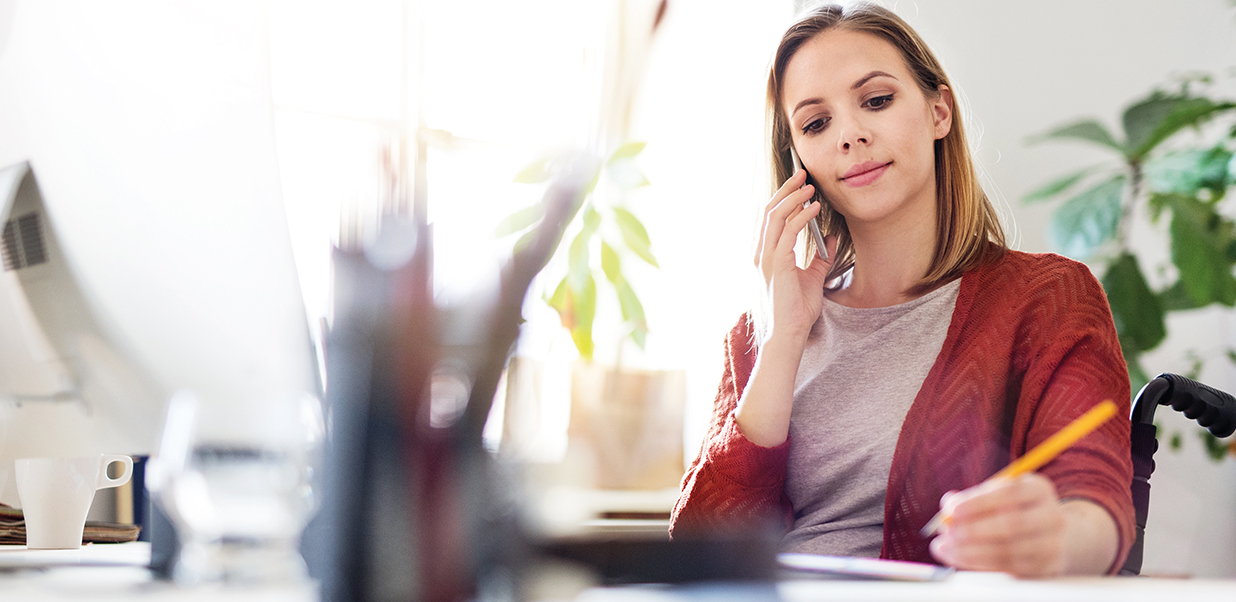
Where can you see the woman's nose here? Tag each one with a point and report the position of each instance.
(852, 133)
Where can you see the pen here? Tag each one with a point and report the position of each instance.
(1042, 453)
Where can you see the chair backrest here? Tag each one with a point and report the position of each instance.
(1210, 407)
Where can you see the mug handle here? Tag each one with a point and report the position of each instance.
(106, 481)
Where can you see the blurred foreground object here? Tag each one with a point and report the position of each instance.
(240, 500)
(412, 508)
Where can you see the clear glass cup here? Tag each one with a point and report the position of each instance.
(240, 497)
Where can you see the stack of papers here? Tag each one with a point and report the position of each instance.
(13, 529)
(845, 567)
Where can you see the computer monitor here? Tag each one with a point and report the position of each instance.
(141, 138)
(69, 384)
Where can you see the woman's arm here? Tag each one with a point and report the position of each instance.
(763, 413)
(795, 298)
(1022, 525)
(739, 476)
(733, 484)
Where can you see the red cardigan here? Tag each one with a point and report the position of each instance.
(1030, 347)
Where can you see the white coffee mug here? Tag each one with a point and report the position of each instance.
(56, 494)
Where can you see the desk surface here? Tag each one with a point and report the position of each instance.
(962, 586)
(117, 572)
(108, 572)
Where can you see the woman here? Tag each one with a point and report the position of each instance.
(890, 380)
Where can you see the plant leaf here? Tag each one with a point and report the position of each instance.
(578, 269)
(563, 301)
(1158, 116)
(1176, 298)
(1192, 113)
(610, 264)
(621, 167)
(1188, 171)
(1057, 186)
(1200, 239)
(520, 220)
(1087, 220)
(633, 313)
(1087, 130)
(627, 151)
(592, 219)
(558, 300)
(1215, 448)
(535, 172)
(632, 309)
(1145, 116)
(584, 305)
(1137, 312)
(576, 311)
(634, 235)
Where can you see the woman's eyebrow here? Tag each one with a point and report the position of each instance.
(806, 102)
(870, 76)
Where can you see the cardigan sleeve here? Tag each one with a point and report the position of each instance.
(733, 484)
(1078, 364)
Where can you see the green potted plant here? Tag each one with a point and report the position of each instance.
(625, 423)
(1181, 183)
(606, 236)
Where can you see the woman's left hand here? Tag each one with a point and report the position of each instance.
(1012, 525)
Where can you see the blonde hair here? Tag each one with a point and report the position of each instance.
(968, 232)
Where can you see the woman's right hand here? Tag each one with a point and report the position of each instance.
(795, 298)
(795, 295)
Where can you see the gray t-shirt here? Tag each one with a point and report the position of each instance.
(861, 370)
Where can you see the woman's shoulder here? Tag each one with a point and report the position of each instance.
(1023, 262)
(1018, 270)
(1043, 285)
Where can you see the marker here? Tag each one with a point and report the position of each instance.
(1041, 454)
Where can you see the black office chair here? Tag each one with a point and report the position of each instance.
(1210, 407)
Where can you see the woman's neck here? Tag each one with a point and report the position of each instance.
(890, 260)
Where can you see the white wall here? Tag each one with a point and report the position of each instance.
(1023, 67)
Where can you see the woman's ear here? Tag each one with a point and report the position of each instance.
(942, 111)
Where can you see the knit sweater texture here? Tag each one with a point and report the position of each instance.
(1030, 347)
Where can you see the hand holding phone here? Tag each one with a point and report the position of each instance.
(821, 250)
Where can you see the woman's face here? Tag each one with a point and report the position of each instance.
(863, 128)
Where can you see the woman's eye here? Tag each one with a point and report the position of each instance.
(814, 126)
(880, 102)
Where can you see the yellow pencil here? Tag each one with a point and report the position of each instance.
(1042, 453)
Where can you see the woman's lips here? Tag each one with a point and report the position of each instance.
(865, 173)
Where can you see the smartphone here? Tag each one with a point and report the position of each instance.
(821, 250)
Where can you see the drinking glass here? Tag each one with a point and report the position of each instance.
(239, 485)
